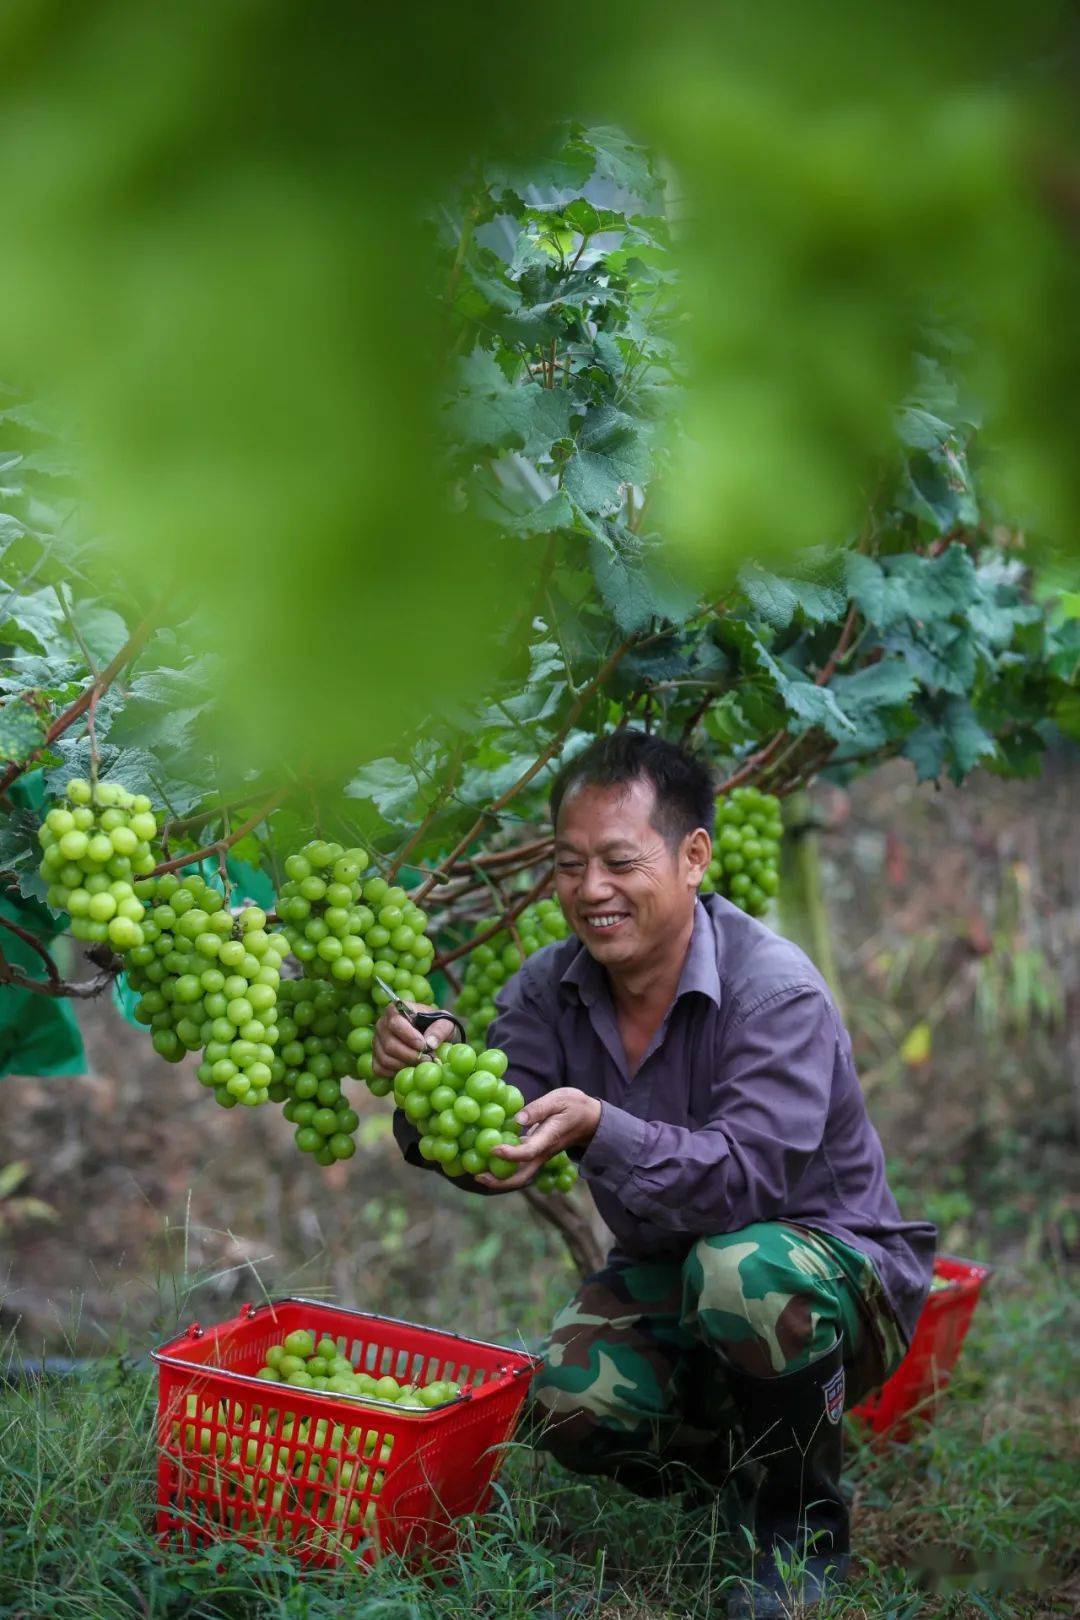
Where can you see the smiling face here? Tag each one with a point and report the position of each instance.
(627, 894)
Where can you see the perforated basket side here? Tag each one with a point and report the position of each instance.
(454, 1467)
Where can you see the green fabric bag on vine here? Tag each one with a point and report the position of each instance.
(38, 1034)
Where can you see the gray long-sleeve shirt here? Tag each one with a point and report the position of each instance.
(745, 1106)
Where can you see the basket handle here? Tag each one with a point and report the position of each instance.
(195, 1331)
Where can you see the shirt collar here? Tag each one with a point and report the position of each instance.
(700, 971)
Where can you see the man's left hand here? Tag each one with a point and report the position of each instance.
(560, 1119)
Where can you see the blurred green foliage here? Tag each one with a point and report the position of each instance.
(935, 633)
(214, 259)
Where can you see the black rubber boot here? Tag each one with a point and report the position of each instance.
(792, 1426)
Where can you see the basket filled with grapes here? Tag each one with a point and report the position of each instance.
(330, 1432)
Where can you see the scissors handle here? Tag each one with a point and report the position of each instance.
(422, 1021)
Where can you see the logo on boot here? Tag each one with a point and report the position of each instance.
(834, 1397)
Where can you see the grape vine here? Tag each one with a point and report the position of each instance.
(935, 635)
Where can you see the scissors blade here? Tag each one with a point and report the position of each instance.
(394, 997)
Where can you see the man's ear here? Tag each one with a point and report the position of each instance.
(697, 850)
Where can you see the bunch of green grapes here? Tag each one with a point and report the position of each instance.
(746, 849)
(324, 1367)
(349, 930)
(495, 961)
(464, 1108)
(207, 979)
(94, 847)
(318, 1047)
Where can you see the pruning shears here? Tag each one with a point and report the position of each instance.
(420, 1021)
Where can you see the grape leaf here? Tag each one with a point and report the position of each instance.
(889, 681)
(1066, 713)
(103, 631)
(911, 587)
(19, 848)
(1020, 752)
(38, 1034)
(999, 607)
(491, 414)
(950, 736)
(22, 730)
(168, 731)
(30, 621)
(921, 429)
(725, 722)
(940, 655)
(631, 585)
(625, 164)
(939, 488)
(806, 704)
(136, 769)
(163, 706)
(777, 600)
(55, 680)
(610, 452)
(568, 168)
(390, 785)
(555, 513)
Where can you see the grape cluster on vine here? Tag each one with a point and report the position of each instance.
(745, 867)
(208, 980)
(463, 1107)
(348, 929)
(94, 847)
(498, 959)
(317, 1049)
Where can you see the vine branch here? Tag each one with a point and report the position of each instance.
(828, 670)
(77, 635)
(35, 944)
(220, 845)
(176, 827)
(508, 917)
(76, 990)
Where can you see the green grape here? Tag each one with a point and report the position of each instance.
(746, 850)
(497, 959)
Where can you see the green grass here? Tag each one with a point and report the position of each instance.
(976, 1517)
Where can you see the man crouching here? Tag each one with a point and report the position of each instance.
(695, 1065)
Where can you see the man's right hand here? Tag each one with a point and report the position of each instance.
(397, 1044)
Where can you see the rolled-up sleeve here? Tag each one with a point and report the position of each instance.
(769, 1104)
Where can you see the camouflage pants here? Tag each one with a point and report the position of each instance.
(632, 1384)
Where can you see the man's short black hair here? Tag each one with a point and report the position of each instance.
(681, 780)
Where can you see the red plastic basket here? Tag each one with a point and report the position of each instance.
(364, 1475)
(922, 1377)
